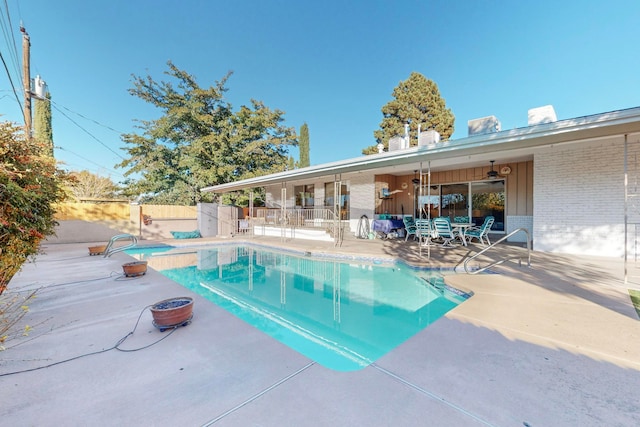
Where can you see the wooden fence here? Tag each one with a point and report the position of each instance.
(120, 211)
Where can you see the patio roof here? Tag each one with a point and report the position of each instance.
(509, 145)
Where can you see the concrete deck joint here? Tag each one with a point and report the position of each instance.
(430, 394)
(256, 396)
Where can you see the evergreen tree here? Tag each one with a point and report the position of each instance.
(42, 123)
(417, 101)
(304, 146)
(200, 141)
(291, 164)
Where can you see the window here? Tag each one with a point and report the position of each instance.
(343, 203)
(304, 195)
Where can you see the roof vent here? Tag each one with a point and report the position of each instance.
(483, 125)
(428, 137)
(540, 115)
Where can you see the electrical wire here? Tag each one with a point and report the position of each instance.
(88, 160)
(115, 347)
(13, 53)
(88, 133)
(9, 37)
(87, 118)
(13, 86)
(13, 38)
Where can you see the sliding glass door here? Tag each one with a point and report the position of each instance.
(468, 202)
(454, 201)
(487, 198)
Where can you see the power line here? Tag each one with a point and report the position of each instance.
(6, 29)
(88, 160)
(89, 133)
(87, 118)
(13, 86)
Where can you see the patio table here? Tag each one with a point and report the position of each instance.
(461, 227)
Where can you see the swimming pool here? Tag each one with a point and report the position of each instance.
(342, 314)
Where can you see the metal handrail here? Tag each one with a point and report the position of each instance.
(466, 261)
(110, 250)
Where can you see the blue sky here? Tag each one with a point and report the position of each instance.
(331, 64)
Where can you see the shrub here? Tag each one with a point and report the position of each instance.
(29, 184)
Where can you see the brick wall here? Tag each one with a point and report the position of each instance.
(362, 196)
(579, 198)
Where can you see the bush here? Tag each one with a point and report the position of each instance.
(29, 184)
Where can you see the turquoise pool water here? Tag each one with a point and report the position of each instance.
(342, 314)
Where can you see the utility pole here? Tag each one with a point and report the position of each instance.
(26, 78)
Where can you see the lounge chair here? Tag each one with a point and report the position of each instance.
(409, 226)
(424, 231)
(481, 232)
(442, 228)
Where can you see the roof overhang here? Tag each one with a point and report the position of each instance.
(510, 145)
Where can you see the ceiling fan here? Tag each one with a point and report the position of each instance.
(415, 180)
(492, 174)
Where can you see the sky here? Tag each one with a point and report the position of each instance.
(331, 64)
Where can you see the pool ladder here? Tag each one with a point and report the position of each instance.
(500, 261)
(110, 250)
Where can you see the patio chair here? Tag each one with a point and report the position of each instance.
(424, 231)
(409, 226)
(481, 232)
(442, 228)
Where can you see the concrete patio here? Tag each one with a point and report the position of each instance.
(557, 344)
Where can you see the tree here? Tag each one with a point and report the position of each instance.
(304, 146)
(417, 101)
(42, 123)
(85, 184)
(29, 184)
(199, 140)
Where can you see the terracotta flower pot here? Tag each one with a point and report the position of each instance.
(134, 269)
(97, 250)
(172, 312)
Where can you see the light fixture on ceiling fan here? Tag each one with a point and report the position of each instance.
(492, 174)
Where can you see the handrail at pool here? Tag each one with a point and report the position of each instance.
(110, 250)
(500, 261)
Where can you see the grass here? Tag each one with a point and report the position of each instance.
(635, 300)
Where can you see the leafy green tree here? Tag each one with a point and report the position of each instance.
(29, 184)
(417, 101)
(304, 146)
(199, 140)
(42, 123)
(291, 164)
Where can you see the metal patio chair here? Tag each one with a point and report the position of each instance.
(442, 227)
(481, 232)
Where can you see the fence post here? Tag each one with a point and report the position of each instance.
(135, 216)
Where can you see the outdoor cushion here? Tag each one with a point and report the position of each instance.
(186, 234)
